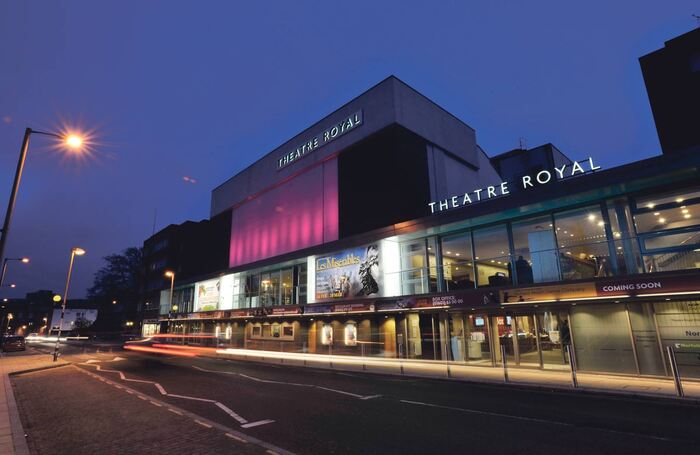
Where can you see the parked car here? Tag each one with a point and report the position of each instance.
(13, 343)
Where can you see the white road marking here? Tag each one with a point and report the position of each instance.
(233, 436)
(272, 452)
(162, 391)
(142, 397)
(156, 404)
(256, 424)
(207, 400)
(231, 413)
(532, 419)
(174, 411)
(295, 384)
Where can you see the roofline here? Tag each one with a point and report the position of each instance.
(337, 110)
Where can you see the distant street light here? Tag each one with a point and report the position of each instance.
(4, 266)
(70, 140)
(73, 253)
(171, 275)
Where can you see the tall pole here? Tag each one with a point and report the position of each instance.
(4, 270)
(172, 284)
(15, 188)
(63, 305)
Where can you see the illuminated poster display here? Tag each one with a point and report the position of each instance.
(350, 334)
(349, 274)
(206, 297)
(327, 334)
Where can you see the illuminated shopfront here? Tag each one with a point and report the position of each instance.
(605, 261)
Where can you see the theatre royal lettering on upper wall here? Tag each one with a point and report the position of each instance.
(328, 135)
(503, 189)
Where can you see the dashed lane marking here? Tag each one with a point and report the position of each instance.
(142, 397)
(233, 436)
(272, 452)
(206, 425)
(174, 411)
(294, 384)
(156, 404)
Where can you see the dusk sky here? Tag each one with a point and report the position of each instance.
(177, 89)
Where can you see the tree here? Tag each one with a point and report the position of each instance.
(118, 281)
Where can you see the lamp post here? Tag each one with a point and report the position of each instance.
(171, 275)
(73, 253)
(4, 266)
(70, 140)
(9, 318)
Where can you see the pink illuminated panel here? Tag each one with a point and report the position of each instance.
(297, 214)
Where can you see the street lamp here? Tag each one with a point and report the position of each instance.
(9, 318)
(170, 274)
(4, 266)
(76, 251)
(72, 141)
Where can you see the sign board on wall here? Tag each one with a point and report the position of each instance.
(328, 135)
(206, 295)
(349, 274)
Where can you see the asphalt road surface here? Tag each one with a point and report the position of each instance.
(308, 411)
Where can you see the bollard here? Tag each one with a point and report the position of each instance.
(362, 352)
(572, 364)
(505, 366)
(674, 371)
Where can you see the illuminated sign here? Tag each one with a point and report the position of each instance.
(527, 181)
(334, 132)
(349, 274)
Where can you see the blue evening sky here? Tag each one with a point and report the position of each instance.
(202, 89)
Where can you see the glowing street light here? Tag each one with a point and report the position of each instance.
(76, 251)
(170, 274)
(23, 260)
(72, 141)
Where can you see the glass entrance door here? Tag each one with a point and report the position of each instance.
(549, 326)
(528, 345)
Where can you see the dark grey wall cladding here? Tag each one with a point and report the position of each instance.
(389, 102)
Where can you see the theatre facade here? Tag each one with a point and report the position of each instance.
(384, 230)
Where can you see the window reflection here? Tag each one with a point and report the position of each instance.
(582, 242)
(457, 266)
(492, 256)
(535, 251)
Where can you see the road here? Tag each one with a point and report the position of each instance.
(308, 411)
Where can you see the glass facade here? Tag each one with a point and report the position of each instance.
(616, 237)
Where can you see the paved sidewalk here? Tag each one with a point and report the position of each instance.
(555, 379)
(12, 440)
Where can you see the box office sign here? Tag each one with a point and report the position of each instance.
(349, 274)
(470, 299)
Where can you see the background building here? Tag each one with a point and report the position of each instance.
(672, 78)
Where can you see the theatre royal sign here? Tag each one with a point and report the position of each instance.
(526, 182)
(334, 132)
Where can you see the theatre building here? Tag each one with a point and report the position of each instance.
(384, 230)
